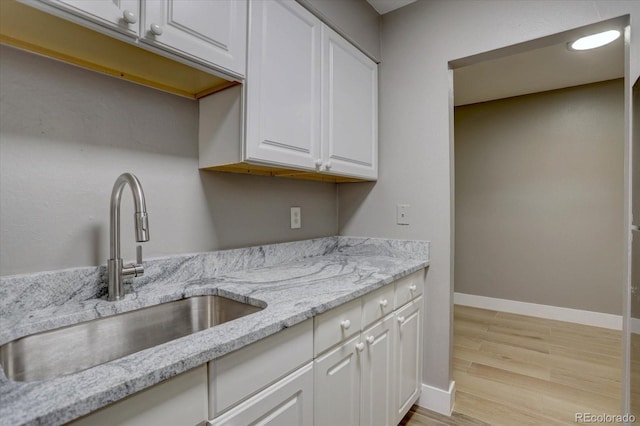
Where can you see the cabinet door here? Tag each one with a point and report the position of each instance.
(283, 85)
(350, 109)
(212, 32)
(337, 386)
(179, 401)
(288, 402)
(122, 15)
(408, 334)
(377, 375)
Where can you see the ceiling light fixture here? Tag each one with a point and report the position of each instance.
(594, 40)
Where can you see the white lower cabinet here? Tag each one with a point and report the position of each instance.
(373, 377)
(337, 385)
(377, 372)
(289, 402)
(243, 373)
(179, 401)
(408, 333)
(354, 383)
(365, 371)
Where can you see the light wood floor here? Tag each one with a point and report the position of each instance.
(516, 370)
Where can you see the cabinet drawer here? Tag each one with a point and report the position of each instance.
(336, 325)
(242, 373)
(377, 304)
(288, 402)
(409, 288)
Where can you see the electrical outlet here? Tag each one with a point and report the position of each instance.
(296, 218)
(402, 214)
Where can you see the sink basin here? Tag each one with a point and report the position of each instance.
(80, 346)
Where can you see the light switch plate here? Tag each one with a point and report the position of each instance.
(402, 214)
(296, 218)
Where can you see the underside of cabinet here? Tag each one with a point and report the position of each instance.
(220, 135)
(253, 169)
(36, 31)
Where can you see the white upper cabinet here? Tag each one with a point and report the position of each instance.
(350, 108)
(312, 97)
(208, 35)
(123, 15)
(283, 85)
(213, 32)
(308, 108)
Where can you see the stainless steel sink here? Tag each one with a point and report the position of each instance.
(80, 346)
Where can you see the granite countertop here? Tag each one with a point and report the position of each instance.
(295, 281)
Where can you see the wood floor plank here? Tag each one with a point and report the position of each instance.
(468, 342)
(563, 410)
(499, 392)
(499, 414)
(474, 314)
(604, 345)
(591, 382)
(518, 341)
(460, 365)
(516, 330)
(419, 416)
(503, 362)
(568, 393)
(582, 355)
(608, 369)
(470, 325)
(516, 353)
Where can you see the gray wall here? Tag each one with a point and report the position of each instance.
(356, 20)
(67, 133)
(539, 198)
(417, 43)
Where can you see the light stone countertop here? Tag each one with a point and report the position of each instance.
(295, 280)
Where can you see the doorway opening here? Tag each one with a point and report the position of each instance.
(540, 221)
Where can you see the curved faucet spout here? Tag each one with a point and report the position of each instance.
(141, 224)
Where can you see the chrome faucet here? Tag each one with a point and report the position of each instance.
(118, 271)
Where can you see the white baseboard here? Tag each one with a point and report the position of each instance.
(438, 400)
(634, 325)
(596, 319)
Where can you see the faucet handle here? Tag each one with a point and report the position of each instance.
(139, 254)
(134, 269)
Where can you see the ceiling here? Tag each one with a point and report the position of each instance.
(384, 6)
(536, 66)
(546, 68)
